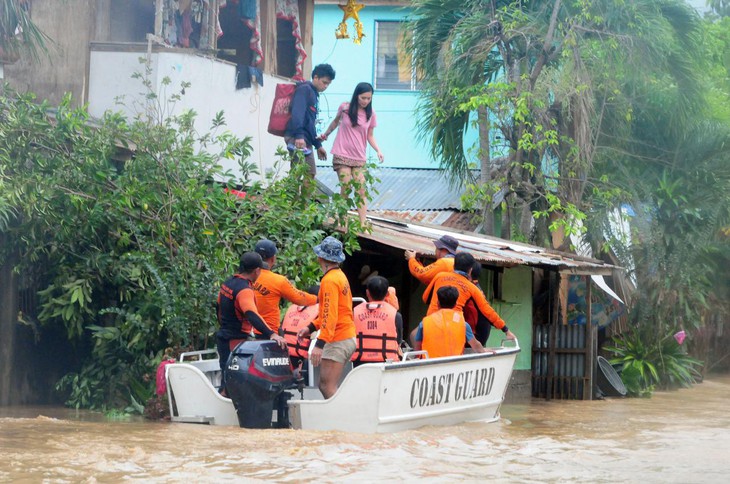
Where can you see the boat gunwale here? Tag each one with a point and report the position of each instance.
(450, 359)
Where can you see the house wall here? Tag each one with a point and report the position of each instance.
(397, 119)
(515, 309)
(356, 63)
(72, 25)
(212, 89)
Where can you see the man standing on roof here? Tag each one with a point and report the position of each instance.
(446, 248)
(301, 131)
(237, 312)
(460, 278)
(336, 339)
(271, 288)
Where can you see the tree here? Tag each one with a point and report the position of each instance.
(18, 33)
(557, 79)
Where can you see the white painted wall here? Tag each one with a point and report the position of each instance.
(212, 89)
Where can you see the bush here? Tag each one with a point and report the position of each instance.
(646, 362)
(128, 255)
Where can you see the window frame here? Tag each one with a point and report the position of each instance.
(413, 85)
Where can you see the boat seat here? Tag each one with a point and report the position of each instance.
(186, 379)
(211, 369)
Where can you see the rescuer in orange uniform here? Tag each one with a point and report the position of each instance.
(336, 340)
(379, 326)
(271, 288)
(444, 332)
(446, 248)
(236, 309)
(460, 278)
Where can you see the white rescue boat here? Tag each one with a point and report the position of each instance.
(374, 397)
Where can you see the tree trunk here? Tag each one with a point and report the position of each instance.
(485, 165)
(8, 320)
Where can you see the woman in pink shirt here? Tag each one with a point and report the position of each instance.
(357, 122)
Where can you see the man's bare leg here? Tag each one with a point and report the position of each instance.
(329, 377)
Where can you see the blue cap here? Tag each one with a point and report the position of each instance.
(330, 249)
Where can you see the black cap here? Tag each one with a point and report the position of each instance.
(265, 248)
(250, 261)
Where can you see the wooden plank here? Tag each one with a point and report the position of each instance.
(553, 323)
(590, 341)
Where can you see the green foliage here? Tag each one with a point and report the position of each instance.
(18, 33)
(560, 81)
(128, 229)
(593, 107)
(647, 360)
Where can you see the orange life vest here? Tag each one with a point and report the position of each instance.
(377, 337)
(296, 318)
(444, 333)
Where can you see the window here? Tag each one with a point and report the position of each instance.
(286, 49)
(131, 20)
(393, 66)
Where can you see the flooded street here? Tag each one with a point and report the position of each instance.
(681, 436)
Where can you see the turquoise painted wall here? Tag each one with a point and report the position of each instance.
(395, 134)
(516, 310)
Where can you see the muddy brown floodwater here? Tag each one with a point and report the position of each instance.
(674, 437)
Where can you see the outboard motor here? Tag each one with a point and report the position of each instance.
(257, 374)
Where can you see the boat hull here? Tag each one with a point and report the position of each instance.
(373, 398)
(385, 397)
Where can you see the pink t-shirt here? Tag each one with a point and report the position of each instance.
(351, 141)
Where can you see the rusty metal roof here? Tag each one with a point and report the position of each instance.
(488, 250)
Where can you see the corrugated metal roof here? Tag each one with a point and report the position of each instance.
(403, 189)
(489, 250)
(451, 219)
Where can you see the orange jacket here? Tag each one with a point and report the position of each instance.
(391, 298)
(335, 321)
(467, 290)
(444, 333)
(427, 273)
(377, 336)
(296, 318)
(270, 288)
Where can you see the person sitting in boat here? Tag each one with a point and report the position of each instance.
(379, 326)
(366, 274)
(444, 332)
(446, 248)
(271, 288)
(336, 340)
(460, 278)
(296, 318)
(237, 312)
